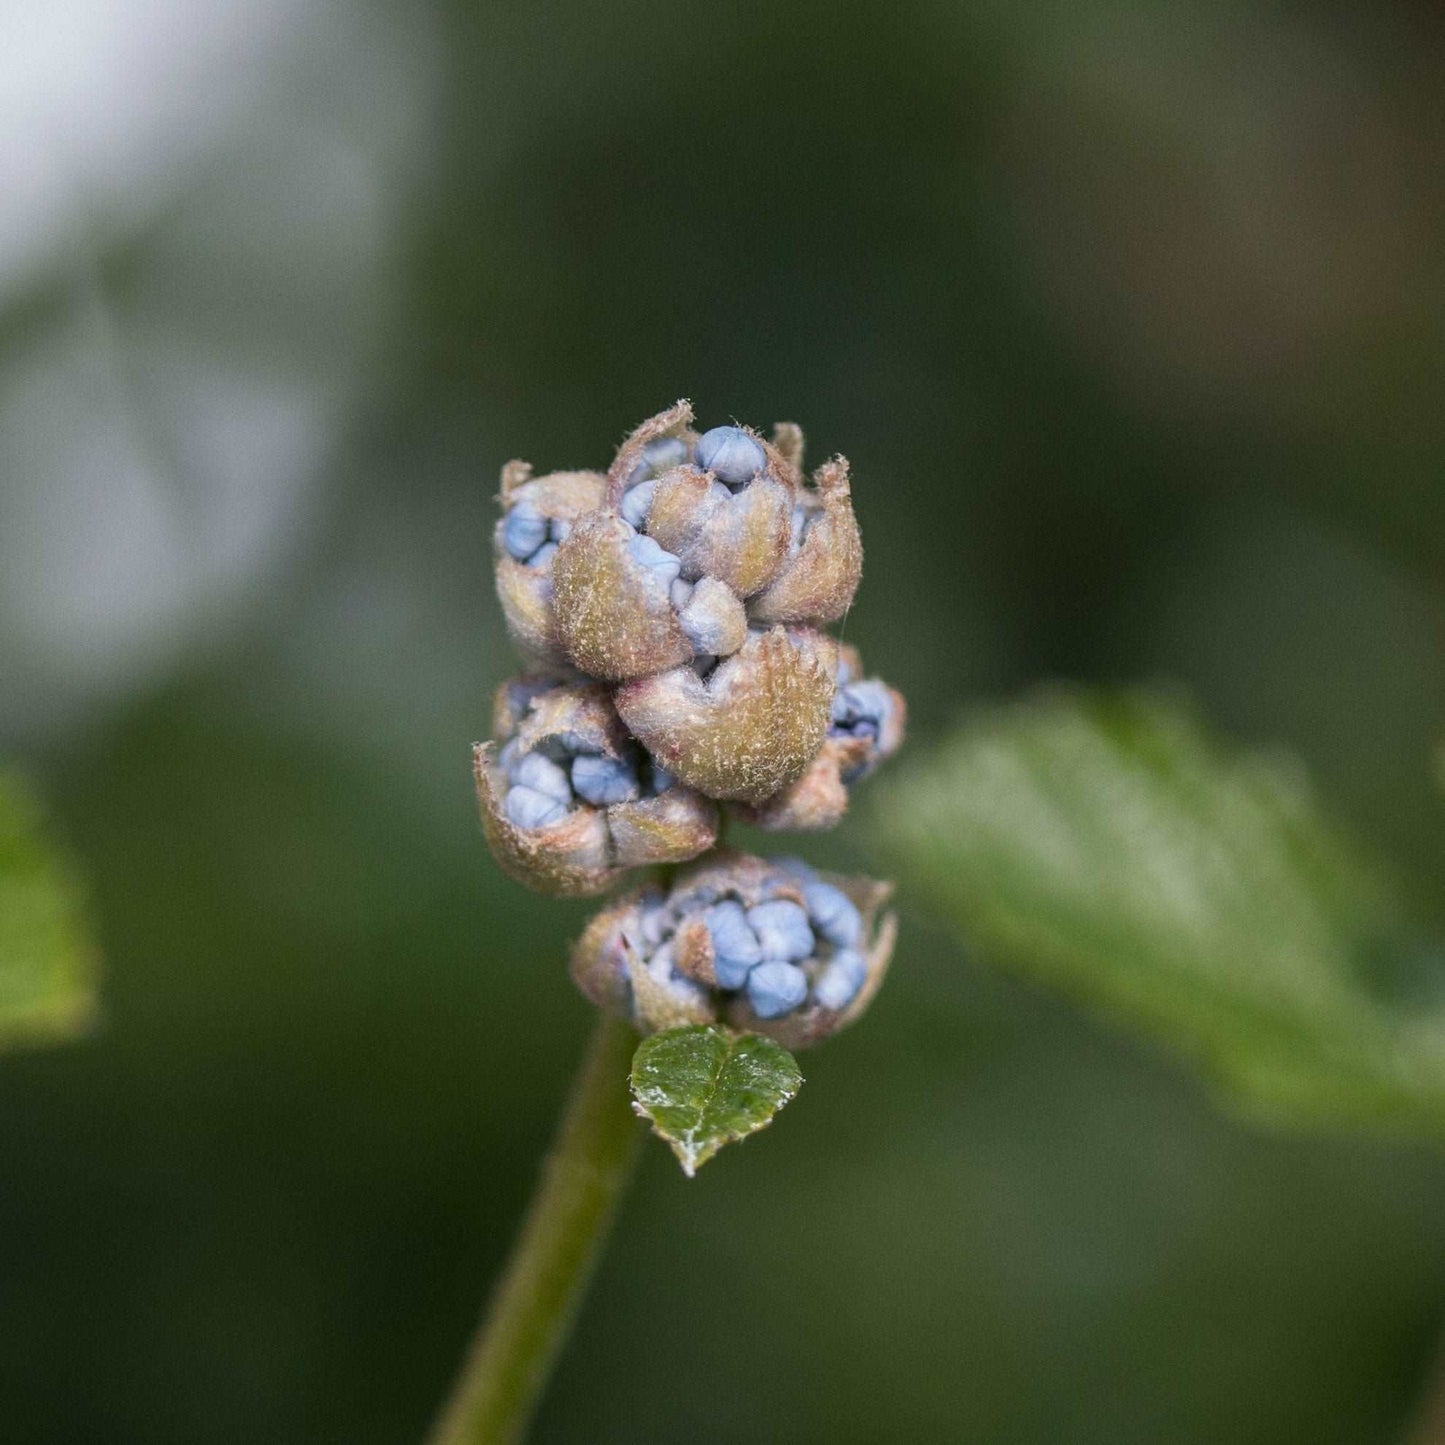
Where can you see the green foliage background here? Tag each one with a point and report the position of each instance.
(1128, 320)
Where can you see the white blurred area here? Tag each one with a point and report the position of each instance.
(198, 200)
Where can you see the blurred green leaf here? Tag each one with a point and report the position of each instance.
(703, 1088)
(1109, 847)
(48, 964)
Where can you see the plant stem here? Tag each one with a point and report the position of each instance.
(534, 1302)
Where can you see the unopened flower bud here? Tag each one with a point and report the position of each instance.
(538, 513)
(570, 802)
(749, 729)
(731, 454)
(767, 946)
(866, 724)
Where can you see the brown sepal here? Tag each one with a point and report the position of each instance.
(816, 583)
(526, 592)
(613, 622)
(751, 728)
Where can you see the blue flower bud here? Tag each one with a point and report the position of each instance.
(833, 914)
(730, 454)
(559, 529)
(662, 566)
(665, 452)
(605, 781)
(524, 531)
(775, 989)
(659, 456)
(543, 776)
(735, 945)
(527, 808)
(637, 501)
(542, 556)
(782, 930)
(838, 984)
(860, 709)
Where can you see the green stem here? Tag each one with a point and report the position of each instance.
(516, 1345)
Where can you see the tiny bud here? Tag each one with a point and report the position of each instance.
(635, 503)
(782, 930)
(776, 988)
(659, 456)
(528, 808)
(542, 775)
(660, 566)
(838, 984)
(730, 454)
(735, 945)
(523, 530)
(604, 781)
(833, 913)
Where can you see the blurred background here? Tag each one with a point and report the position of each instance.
(1130, 320)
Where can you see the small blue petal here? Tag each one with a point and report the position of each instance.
(605, 781)
(731, 455)
(542, 555)
(636, 503)
(735, 946)
(838, 984)
(833, 914)
(681, 593)
(776, 988)
(527, 808)
(524, 531)
(543, 776)
(782, 930)
(558, 529)
(661, 565)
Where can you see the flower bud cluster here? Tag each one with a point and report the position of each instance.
(671, 612)
(570, 802)
(768, 946)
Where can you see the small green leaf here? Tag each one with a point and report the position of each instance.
(47, 962)
(1110, 848)
(705, 1087)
